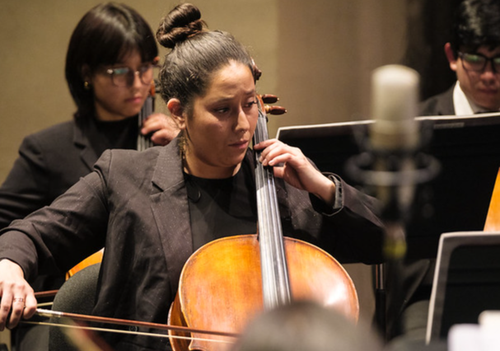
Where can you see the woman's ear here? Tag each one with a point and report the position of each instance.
(86, 74)
(177, 113)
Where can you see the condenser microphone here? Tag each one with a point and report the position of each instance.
(392, 164)
(394, 137)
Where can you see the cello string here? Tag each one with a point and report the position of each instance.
(276, 285)
(143, 141)
(120, 331)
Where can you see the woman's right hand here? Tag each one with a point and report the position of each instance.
(17, 297)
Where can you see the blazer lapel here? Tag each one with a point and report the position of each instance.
(87, 153)
(169, 203)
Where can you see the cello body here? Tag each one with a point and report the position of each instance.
(221, 287)
(227, 282)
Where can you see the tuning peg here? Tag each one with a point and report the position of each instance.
(269, 98)
(275, 110)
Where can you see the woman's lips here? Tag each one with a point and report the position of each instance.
(240, 144)
(135, 100)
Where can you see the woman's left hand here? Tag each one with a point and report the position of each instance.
(290, 164)
(163, 128)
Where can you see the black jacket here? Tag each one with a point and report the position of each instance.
(136, 205)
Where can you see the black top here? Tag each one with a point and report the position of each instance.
(221, 207)
(104, 135)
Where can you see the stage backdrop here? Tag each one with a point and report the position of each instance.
(316, 55)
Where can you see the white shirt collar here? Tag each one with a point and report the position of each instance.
(463, 105)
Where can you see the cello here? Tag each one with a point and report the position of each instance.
(228, 281)
(301, 284)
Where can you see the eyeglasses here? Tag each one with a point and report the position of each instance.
(477, 62)
(125, 76)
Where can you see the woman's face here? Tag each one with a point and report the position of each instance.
(222, 123)
(112, 102)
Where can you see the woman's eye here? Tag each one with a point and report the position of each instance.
(251, 103)
(222, 110)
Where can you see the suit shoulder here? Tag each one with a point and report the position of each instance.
(130, 158)
(428, 107)
(130, 154)
(128, 164)
(440, 104)
(55, 130)
(56, 138)
(53, 135)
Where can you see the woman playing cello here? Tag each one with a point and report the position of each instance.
(152, 209)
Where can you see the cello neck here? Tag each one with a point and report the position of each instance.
(144, 141)
(275, 281)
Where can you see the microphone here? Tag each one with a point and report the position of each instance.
(393, 141)
(391, 164)
(390, 167)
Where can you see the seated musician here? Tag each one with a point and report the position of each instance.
(108, 103)
(152, 209)
(473, 53)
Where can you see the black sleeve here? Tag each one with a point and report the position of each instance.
(26, 186)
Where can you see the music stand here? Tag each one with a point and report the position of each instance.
(468, 149)
(466, 281)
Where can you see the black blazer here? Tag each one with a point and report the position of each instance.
(49, 162)
(136, 205)
(441, 104)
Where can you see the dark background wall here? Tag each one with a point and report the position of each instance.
(429, 24)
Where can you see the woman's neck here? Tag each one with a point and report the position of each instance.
(203, 170)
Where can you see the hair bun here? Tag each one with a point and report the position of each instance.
(182, 22)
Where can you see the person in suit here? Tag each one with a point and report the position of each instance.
(111, 44)
(152, 209)
(109, 69)
(473, 52)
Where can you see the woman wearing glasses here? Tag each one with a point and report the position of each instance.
(109, 70)
(473, 53)
(152, 209)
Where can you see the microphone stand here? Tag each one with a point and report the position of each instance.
(391, 175)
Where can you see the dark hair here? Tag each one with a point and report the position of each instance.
(196, 54)
(476, 23)
(104, 36)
